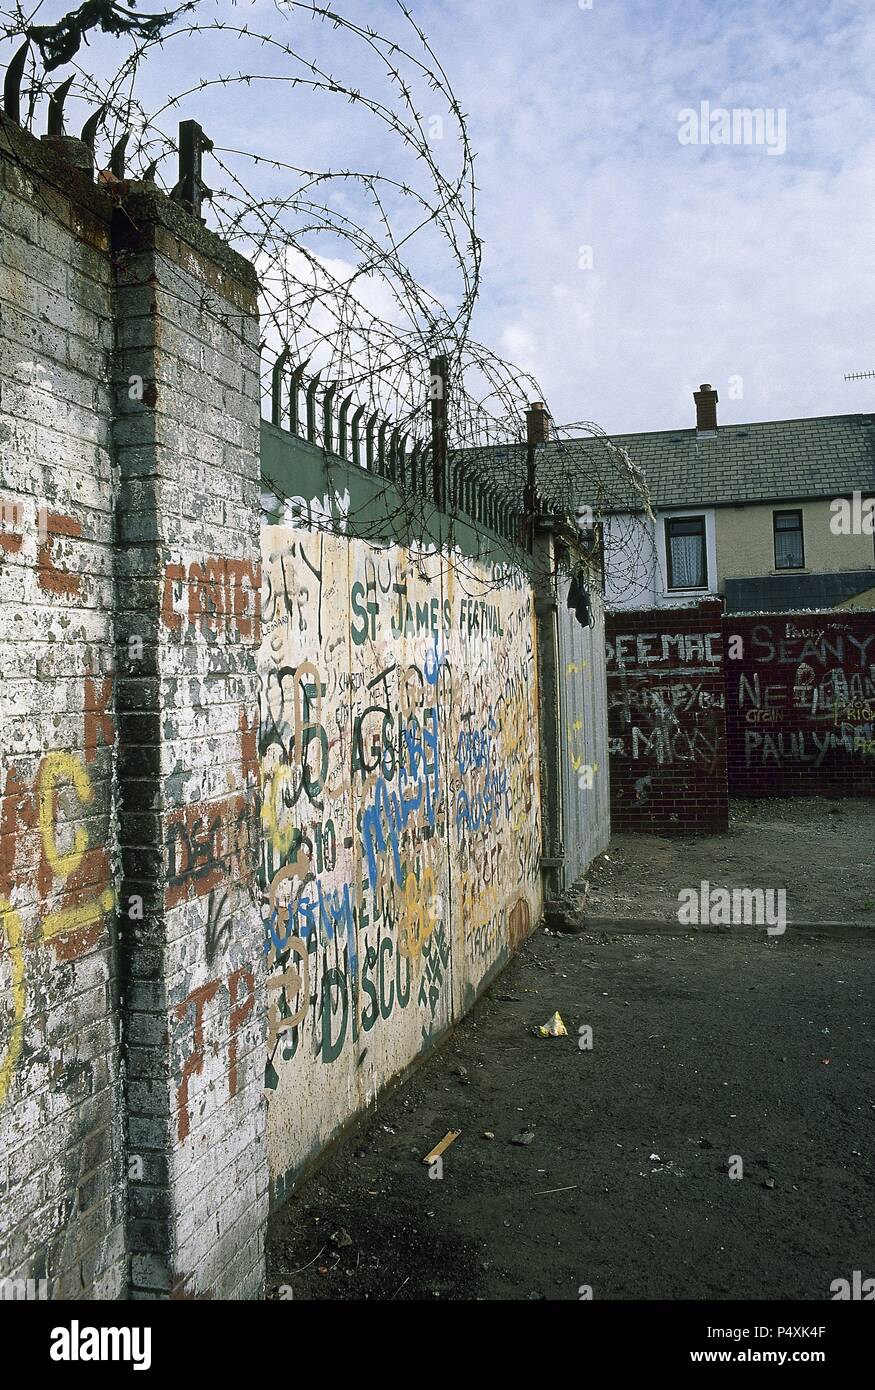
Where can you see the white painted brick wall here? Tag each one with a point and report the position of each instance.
(61, 1183)
(195, 337)
(99, 494)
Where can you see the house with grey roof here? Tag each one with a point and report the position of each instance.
(752, 512)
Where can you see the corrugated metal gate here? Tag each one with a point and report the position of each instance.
(583, 705)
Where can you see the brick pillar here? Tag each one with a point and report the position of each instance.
(186, 435)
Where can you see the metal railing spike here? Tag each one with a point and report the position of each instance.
(294, 390)
(342, 429)
(56, 107)
(356, 436)
(414, 466)
(276, 386)
(382, 463)
(370, 426)
(311, 407)
(328, 417)
(12, 83)
(88, 133)
(400, 452)
(117, 157)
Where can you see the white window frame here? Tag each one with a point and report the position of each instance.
(710, 587)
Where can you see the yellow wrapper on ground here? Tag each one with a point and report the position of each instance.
(554, 1027)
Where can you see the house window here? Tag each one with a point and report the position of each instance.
(789, 548)
(685, 552)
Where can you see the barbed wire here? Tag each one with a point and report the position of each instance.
(333, 245)
(367, 273)
(613, 506)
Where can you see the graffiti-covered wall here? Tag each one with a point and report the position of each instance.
(666, 722)
(61, 1153)
(248, 874)
(800, 704)
(400, 815)
(132, 1144)
(703, 706)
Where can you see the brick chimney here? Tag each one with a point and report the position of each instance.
(537, 423)
(706, 409)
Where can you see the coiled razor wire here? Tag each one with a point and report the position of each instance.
(333, 246)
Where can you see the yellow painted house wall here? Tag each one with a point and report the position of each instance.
(746, 550)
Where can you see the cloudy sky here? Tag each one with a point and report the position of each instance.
(708, 262)
(622, 266)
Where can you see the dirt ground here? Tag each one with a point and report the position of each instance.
(821, 851)
(708, 1046)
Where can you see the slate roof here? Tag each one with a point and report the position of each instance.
(569, 471)
(770, 460)
(767, 461)
(785, 593)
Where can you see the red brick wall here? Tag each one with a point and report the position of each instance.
(800, 704)
(666, 721)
